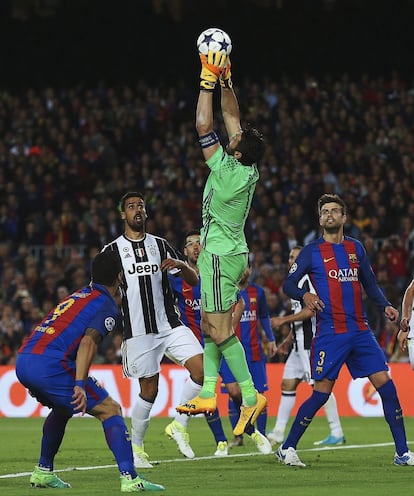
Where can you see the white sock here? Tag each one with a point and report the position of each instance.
(190, 390)
(287, 402)
(331, 412)
(140, 419)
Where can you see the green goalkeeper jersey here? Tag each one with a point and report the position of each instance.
(227, 197)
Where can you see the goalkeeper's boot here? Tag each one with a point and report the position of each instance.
(141, 459)
(178, 433)
(47, 478)
(129, 485)
(261, 442)
(199, 405)
(249, 414)
(405, 459)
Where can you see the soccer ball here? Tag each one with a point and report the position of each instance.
(214, 39)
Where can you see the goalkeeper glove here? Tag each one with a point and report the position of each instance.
(212, 65)
(225, 76)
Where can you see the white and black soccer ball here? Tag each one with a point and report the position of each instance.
(215, 40)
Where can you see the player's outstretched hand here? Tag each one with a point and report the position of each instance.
(212, 66)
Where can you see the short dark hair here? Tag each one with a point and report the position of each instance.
(105, 268)
(192, 232)
(130, 194)
(330, 198)
(251, 146)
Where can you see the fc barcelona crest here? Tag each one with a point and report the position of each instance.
(352, 258)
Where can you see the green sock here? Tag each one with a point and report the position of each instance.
(232, 350)
(212, 359)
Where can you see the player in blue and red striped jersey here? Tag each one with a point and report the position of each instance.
(253, 320)
(53, 364)
(188, 300)
(188, 297)
(339, 269)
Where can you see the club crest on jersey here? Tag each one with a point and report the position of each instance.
(153, 250)
(352, 258)
(293, 268)
(109, 324)
(140, 252)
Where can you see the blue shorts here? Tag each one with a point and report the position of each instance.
(52, 384)
(257, 370)
(359, 350)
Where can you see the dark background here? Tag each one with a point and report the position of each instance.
(66, 41)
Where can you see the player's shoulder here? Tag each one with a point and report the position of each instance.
(311, 247)
(112, 244)
(218, 156)
(349, 239)
(257, 287)
(153, 238)
(359, 247)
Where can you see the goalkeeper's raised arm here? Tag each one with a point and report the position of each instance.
(212, 65)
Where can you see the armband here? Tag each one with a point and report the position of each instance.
(80, 384)
(209, 139)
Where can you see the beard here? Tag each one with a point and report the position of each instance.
(135, 226)
(332, 229)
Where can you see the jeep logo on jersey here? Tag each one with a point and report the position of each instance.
(109, 324)
(143, 269)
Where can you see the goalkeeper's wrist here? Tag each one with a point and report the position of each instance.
(207, 85)
(226, 83)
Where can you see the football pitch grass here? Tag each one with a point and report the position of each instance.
(363, 466)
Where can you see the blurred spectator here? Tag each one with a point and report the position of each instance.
(68, 155)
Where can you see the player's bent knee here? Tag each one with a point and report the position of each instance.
(108, 408)
(195, 366)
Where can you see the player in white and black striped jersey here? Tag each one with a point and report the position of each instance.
(151, 323)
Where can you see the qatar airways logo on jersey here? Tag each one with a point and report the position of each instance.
(194, 304)
(344, 275)
(249, 316)
(143, 269)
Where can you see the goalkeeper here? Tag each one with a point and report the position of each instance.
(227, 197)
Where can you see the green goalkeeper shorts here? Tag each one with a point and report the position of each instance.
(219, 275)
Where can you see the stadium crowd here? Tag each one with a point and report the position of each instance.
(67, 155)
